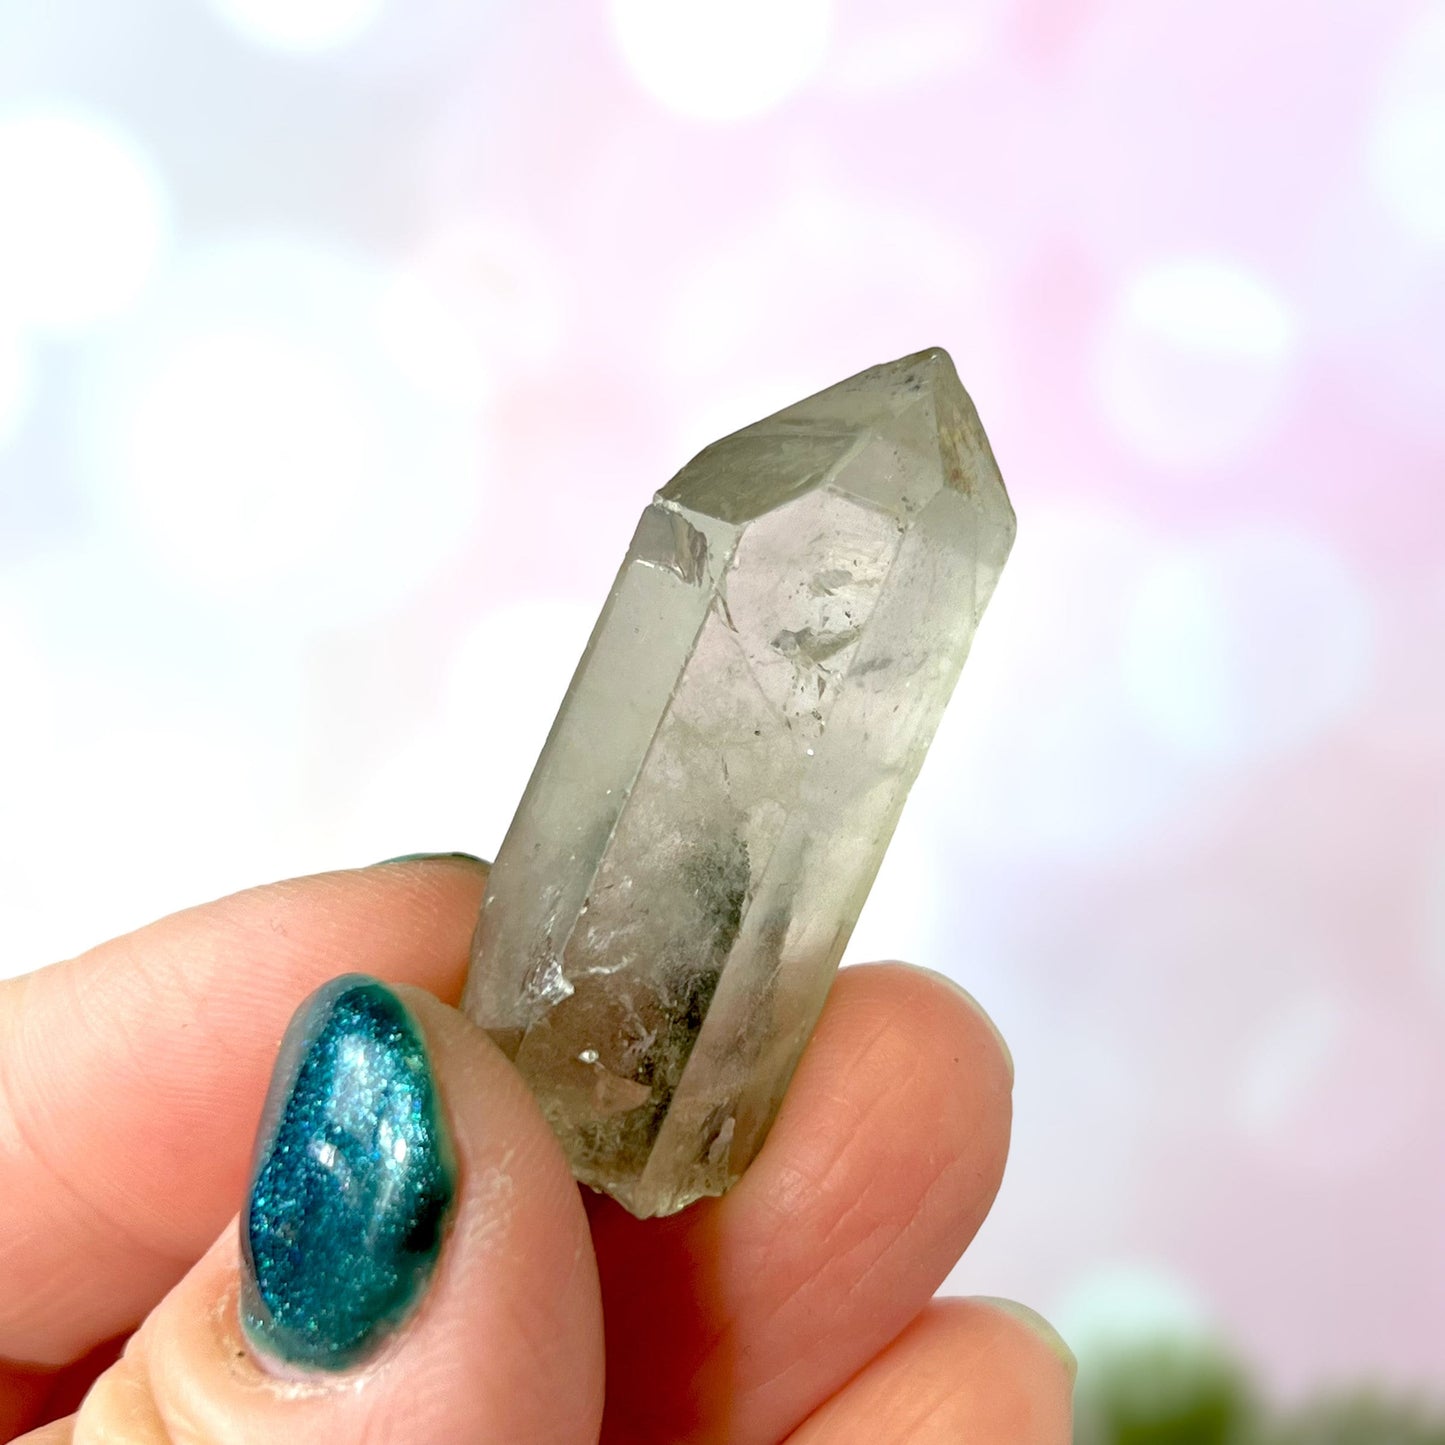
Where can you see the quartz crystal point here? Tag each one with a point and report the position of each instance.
(706, 818)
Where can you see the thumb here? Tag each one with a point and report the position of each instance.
(412, 1265)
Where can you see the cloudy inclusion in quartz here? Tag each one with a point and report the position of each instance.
(708, 814)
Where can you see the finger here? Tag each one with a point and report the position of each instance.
(413, 1265)
(58, 1432)
(963, 1370)
(130, 1081)
(30, 1395)
(741, 1315)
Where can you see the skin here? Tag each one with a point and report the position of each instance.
(797, 1308)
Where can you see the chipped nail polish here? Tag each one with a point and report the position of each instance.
(353, 1181)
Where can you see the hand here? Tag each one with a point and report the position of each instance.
(796, 1308)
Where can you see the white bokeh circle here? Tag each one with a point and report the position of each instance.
(17, 383)
(253, 439)
(1193, 360)
(176, 784)
(461, 775)
(1039, 754)
(722, 60)
(86, 218)
(1408, 159)
(257, 435)
(1406, 142)
(300, 26)
(476, 303)
(1115, 1309)
(1248, 645)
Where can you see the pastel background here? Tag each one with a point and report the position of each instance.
(341, 342)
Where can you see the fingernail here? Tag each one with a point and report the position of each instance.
(436, 858)
(354, 1178)
(1034, 1321)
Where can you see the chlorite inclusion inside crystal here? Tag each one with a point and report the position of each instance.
(701, 829)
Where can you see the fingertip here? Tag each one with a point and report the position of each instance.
(940, 985)
(906, 1069)
(964, 1369)
(354, 1182)
(468, 861)
(150, 1053)
(58, 1432)
(945, 981)
(1036, 1326)
(887, 1152)
(502, 1338)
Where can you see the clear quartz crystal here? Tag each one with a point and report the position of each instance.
(707, 816)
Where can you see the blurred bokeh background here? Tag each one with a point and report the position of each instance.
(341, 341)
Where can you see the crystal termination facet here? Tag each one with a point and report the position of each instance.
(665, 916)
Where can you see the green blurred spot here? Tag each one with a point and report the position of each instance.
(1363, 1418)
(1176, 1392)
(1168, 1393)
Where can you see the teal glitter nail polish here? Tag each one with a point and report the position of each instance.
(353, 1181)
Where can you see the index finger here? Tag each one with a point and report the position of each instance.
(131, 1080)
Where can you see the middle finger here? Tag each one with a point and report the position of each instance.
(734, 1319)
